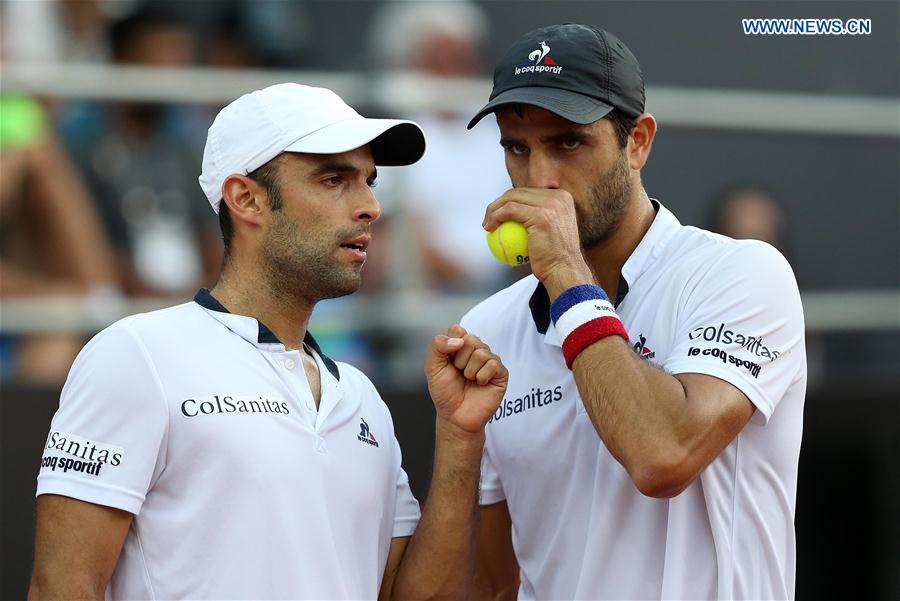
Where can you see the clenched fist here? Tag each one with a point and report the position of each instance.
(465, 379)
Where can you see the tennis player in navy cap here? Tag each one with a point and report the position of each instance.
(648, 442)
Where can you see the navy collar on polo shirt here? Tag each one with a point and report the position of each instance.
(647, 250)
(263, 334)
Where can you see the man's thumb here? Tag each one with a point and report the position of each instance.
(441, 348)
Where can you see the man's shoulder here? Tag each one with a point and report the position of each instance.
(140, 328)
(508, 303)
(710, 254)
(711, 270)
(127, 352)
(163, 322)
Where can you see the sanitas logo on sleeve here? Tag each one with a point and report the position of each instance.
(88, 456)
(720, 334)
(539, 62)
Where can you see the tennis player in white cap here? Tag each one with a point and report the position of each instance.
(212, 451)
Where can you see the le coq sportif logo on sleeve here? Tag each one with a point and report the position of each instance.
(79, 454)
(719, 342)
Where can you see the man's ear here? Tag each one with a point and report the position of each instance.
(245, 199)
(640, 141)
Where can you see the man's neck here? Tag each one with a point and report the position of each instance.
(247, 293)
(607, 258)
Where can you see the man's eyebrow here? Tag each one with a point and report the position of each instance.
(567, 136)
(334, 168)
(507, 141)
(341, 168)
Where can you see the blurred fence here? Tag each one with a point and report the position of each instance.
(406, 91)
(414, 310)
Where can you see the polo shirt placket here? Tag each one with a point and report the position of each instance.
(288, 364)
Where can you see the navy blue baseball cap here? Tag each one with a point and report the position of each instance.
(578, 72)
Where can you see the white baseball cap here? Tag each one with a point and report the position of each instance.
(290, 117)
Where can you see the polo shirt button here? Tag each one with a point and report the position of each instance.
(289, 364)
(320, 444)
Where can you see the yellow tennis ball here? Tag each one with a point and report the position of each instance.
(509, 243)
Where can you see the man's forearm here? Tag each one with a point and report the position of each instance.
(65, 586)
(640, 412)
(663, 429)
(438, 562)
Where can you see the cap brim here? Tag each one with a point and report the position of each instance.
(394, 141)
(573, 106)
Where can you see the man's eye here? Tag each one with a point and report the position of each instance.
(334, 180)
(516, 149)
(571, 144)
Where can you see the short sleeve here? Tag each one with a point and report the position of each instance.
(406, 508)
(742, 322)
(106, 443)
(490, 490)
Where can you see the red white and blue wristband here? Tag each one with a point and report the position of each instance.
(582, 316)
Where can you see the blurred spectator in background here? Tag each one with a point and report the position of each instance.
(280, 33)
(248, 33)
(51, 239)
(58, 30)
(445, 194)
(141, 166)
(749, 212)
(226, 47)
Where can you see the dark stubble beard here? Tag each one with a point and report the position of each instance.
(607, 200)
(303, 264)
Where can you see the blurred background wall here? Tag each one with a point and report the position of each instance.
(104, 106)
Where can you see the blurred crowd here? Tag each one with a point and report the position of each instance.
(100, 200)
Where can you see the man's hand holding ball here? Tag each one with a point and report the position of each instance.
(550, 238)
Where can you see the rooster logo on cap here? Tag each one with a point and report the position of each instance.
(539, 54)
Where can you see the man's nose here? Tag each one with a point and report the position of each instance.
(368, 209)
(543, 172)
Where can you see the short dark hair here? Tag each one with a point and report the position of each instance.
(266, 176)
(623, 124)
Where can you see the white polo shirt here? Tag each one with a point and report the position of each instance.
(203, 425)
(692, 301)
